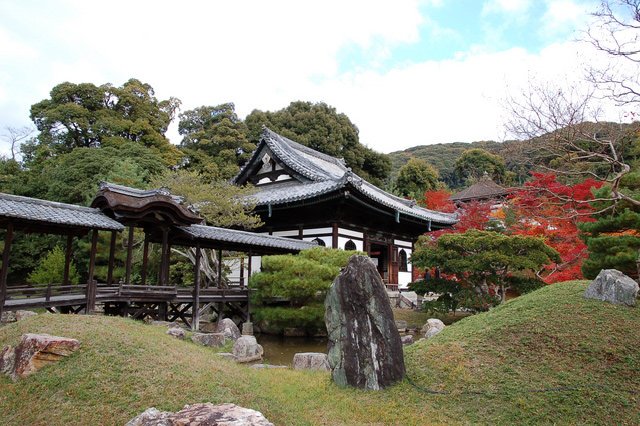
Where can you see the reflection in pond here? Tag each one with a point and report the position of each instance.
(279, 350)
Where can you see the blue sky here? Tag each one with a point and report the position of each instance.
(407, 72)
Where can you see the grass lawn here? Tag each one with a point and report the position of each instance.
(500, 367)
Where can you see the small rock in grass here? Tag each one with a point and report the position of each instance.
(613, 286)
(20, 315)
(247, 349)
(407, 340)
(226, 355)
(177, 332)
(267, 366)
(432, 327)
(214, 340)
(401, 325)
(34, 352)
(228, 328)
(314, 361)
(202, 414)
(7, 317)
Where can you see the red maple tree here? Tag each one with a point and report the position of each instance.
(552, 210)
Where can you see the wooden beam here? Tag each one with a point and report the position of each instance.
(145, 258)
(91, 283)
(129, 256)
(67, 260)
(163, 257)
(219, 268)
(195, 323)
(112, 257)
(8, 239)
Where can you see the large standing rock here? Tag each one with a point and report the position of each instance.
(202, 414)
(613, 286)
(228, 328)
(365, 350)
(214, 340)
(247, 349)
(432, 327)
(34, 352)
(314, 361)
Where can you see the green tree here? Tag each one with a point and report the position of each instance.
(321, 127)
(479, 259)
(73, 177)
(50, 270)
(302, 280)
(219, 202)
(613, 240)
(89, 116)
(474, 163)
(415, 178)
(217, 132)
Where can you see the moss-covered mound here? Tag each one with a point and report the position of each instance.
(546, 357)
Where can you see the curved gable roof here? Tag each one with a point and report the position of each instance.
(326, 174)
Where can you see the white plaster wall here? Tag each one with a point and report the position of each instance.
(402, 243)
(256, 264)
(343, 240)
(316, 231)
(327, 240)
(350, 233)
(404, 278)
(291, 233)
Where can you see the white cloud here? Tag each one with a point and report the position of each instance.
(563, 14)
(505, 6)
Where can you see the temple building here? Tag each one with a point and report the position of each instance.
(305, 194)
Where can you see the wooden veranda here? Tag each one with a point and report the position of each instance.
(165, 221)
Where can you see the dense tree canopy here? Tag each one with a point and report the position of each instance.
(321, 127)
(85, 115)
(219, 134)
(474, 163)
(415, 178)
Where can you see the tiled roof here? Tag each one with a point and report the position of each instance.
(212, 233)
(32, 209)
(328, 174)
(484, 189)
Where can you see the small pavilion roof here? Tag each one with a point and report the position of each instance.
(318, 174)
(484, 189)
(136, 205)
(37, 214)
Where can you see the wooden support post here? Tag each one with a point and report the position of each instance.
(334, 236)
(67, 260)
(195, 321)
(129, 256)
(91, 283)
(249, 268)
(8, 239)
(145, 258)
(219, 268)
(242, 271)
(164, 257)
(112, 257)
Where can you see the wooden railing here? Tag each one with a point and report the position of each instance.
(48, 291)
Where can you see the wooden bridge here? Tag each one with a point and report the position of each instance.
(164, 220)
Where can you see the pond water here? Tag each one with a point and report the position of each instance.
(279, 350)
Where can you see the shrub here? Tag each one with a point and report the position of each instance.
(50, 270)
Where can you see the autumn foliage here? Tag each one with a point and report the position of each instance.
(550, 209)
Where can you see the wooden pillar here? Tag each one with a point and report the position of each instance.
(112, 257)
(366, 245)
(195, 321)
(127, 278)
(91, 283)
(219, 268)
(8, 239)
(163, 257)
(242, 271)
(249, 268)
(334, 236)
(145, 259)
(67, 260)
